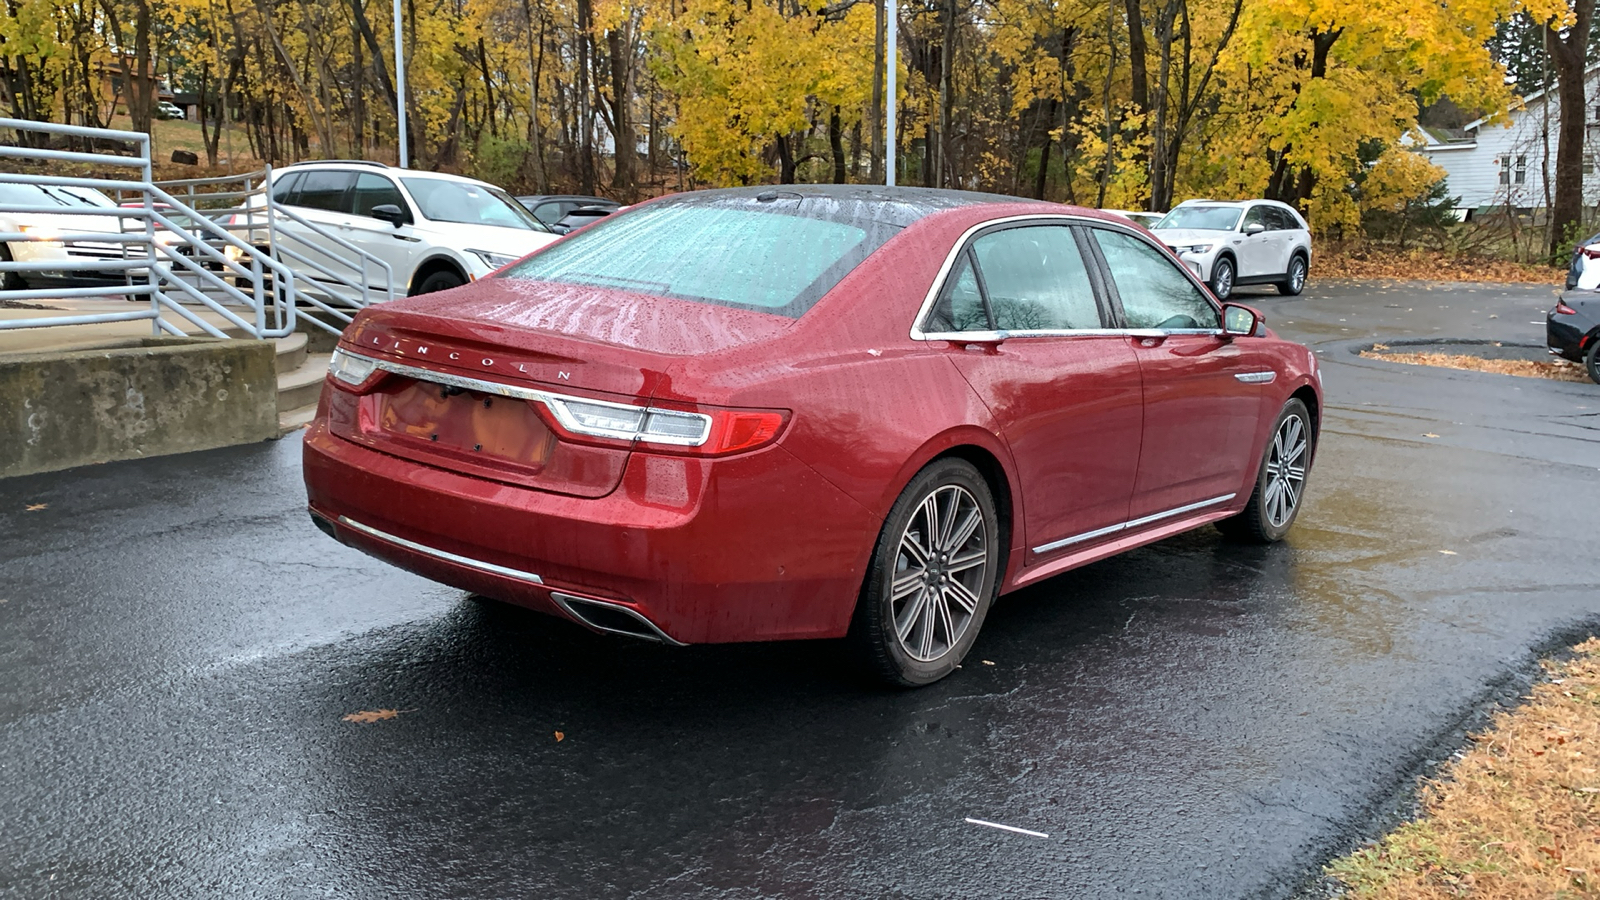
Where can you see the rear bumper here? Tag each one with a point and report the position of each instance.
(1565, 335)
(745, 548)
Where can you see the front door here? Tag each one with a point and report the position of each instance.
(395, 246)
(1199, 417)
(1257, 252)
(1064, 394)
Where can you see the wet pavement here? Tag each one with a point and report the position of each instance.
(178, 646)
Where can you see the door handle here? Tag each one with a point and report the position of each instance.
(1152, 340)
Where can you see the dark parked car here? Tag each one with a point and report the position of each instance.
(819, 412)
(552, 208)
(1572, 330)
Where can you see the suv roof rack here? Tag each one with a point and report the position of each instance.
(348, 162)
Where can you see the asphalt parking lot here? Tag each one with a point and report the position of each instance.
(179, 646)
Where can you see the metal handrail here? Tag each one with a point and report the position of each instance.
(211, 261)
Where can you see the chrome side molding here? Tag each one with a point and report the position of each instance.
(1132, 524)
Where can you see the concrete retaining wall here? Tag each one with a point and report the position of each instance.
(166, 395)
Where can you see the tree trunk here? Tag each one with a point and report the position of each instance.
(625, 177)
(785, 161)
(488, 87)
(1044, 153)
(836, 143)
(1290, 183)
(1570, 56)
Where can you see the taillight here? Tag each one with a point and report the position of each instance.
(351, 369)
(1592, 252)
(733, 430)
(1565, 310)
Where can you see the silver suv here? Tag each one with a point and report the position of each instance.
(1231, 243)
(435, 231)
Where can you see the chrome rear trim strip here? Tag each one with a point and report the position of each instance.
(1132, 524)
(436, 553)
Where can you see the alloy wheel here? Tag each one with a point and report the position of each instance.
(1297, 275)
(1223, 279)
(939, 573)
(1286, 471)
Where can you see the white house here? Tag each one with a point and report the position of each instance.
(1493, 166)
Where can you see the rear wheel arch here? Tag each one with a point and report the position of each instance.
(994, 474)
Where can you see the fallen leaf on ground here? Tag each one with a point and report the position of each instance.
(1448, 552)
(988, 662)
(35, 507)
(367, 716)
(561, 736)
(1429, 434)
(1555, 370)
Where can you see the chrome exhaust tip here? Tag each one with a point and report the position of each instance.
(612, 618)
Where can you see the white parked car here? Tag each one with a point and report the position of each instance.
(1138, 217)
(42, 227)
(166, 109)
(435, 231)
(1238, 243)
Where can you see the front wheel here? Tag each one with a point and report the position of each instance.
(10, 281)
(1280, 481)
(1222, 278)
(1294, 280)
(1591, 361)
(935, 571)
(442, 280)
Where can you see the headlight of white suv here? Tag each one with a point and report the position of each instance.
(494, 260)
(1195, 248)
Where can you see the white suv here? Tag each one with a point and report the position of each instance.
(1237, 243)
(435, 231)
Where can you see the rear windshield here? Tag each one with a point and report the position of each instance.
(777, 257)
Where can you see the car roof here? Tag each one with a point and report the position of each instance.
(899, 206)
(546, 198)
(365, 165)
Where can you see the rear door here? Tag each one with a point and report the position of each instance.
(1199, 416)
(1064, 391)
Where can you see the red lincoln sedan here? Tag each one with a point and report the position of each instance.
(811, 412)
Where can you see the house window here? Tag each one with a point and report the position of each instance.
(1522, 170)
(1505, 170)
(1588, 165)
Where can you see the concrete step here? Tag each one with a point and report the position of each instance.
(303, 385)
(291, 352)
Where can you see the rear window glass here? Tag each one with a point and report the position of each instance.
(741, 253)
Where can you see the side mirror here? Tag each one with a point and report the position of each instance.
(559, 228)
(1254, 228)
(1239, 321)
(390, 213)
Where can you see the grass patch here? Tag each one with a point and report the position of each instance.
(1553, 369)
(1516, 816)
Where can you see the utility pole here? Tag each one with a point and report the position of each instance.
(400, 84)
(890, 28)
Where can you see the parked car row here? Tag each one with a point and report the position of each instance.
(1572, 328)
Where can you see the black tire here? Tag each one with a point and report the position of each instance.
(954, 486)
(441, 280)
(10, 281)
(1294, 280)
(1591, 360)
(1222, 278)
(1265, 520)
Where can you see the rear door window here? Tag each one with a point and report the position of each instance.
(1036, 279)
(324, 189)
